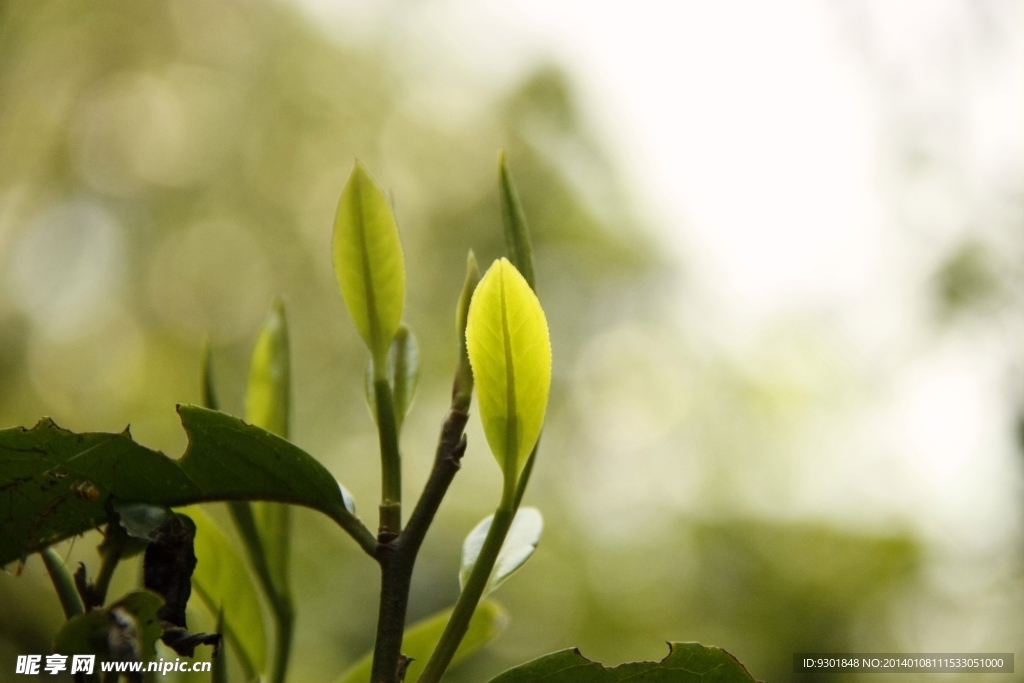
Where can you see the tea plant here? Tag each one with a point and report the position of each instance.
(55, 484)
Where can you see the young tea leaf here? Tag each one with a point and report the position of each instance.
(517, 232)
(685, 663)
(222, 579)
(267, 398)
(403, 374)
(420, 639)
(462, 391)
(368, 262)
(509, 348)
(519, 545)
(267, 405)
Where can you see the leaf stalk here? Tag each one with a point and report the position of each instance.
(468, 600)
(390, 459)
(70, 600)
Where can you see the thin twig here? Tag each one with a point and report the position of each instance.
(397, 557)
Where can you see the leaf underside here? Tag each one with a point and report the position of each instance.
(521, 541)
(685, 663)
(55, 484)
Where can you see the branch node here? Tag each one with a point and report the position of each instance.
(403, 666)
(458, 452)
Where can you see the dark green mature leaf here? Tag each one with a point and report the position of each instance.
(55, 483)
(685, 663)
(420, 639)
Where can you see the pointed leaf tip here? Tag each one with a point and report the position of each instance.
(468, 287)
(517, 231)
(268, 397)
(462, 389)
(368, 261)
(510, 352)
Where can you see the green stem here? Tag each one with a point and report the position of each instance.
(111, 558)
(70, 600)
(220, 662)
(398, 557)
(390, 459)
(458, 624)
(357, 530)
(524, 477)
(284, 617)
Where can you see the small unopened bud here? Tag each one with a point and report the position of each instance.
(462, 388)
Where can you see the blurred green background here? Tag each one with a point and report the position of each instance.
(166, 168)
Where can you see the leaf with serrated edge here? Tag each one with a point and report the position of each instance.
(222, 579)
(519, 545)
(44, 472)
(685, 663)
(368, 261)
(420, 639)
(509, 349)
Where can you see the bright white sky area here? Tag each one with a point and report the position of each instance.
(763, 139)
